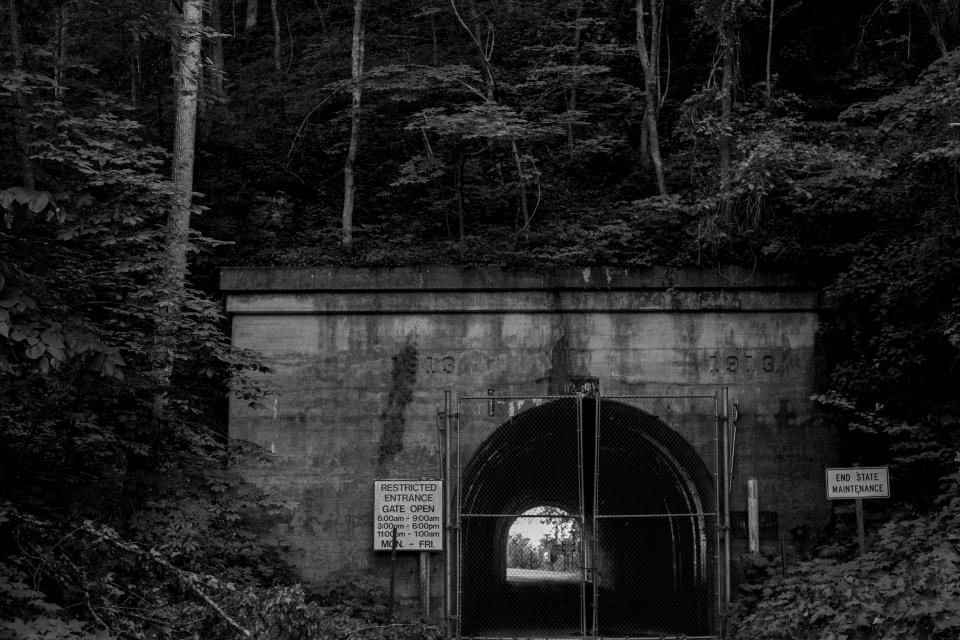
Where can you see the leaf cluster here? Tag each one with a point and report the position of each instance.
(906, 586)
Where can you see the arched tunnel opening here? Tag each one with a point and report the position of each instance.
(642, 500)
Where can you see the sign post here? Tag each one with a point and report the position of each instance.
(858, 483)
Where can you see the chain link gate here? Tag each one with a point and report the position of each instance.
(630, 505)
(657, 517)
(533, 460)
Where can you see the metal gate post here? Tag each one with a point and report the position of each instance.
(448, 547)
(458, 619)
(582, 517)
(595, 614)
(727, 478)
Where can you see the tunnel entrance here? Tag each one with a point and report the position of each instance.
(628, 486)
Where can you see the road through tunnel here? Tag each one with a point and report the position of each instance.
(641, 499)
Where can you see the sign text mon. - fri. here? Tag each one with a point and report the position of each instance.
(414, 508)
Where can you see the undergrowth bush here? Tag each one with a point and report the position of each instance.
(907, 586)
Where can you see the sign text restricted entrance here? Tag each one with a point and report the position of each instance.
(415, 508)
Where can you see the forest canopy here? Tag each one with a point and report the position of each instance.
(808, 135)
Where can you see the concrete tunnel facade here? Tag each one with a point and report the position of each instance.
(361, 359)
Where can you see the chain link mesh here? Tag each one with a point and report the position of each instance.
(656, 518)
(523, 478)
(585, 516)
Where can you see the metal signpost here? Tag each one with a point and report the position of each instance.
(857, 483)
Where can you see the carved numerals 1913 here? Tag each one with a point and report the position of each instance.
(742, 362)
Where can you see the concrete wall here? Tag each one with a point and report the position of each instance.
(331, 336)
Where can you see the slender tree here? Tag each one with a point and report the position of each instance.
(216, 53)
(253, 8)
(187, 89)
(20, 134)
(60, 56)
(173, 279)
(356, 71)
(572, 99)
(275, 17)
(212, 91)
(484, 44)
(135, 72)
(646, 48)
(769, 88)
(728, 34)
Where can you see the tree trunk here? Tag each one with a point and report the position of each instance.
(252, 8)
(484, 47)
(435, 57)
(770, 53)
(458, 183)
(572, 101)
(909, 31)
(727, 42)
(135, 72)
(646, 151)
(186, 92)
(61, 54)
(521, 185)
(213, 96)
(187, 85)
(16, 47)
(356, 72)
(650, 90)
(275, 16)
(935, 29)
(217, 90)
(656, 14)
(20, 133)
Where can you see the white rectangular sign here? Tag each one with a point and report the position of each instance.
(858, 482)
(415, 508)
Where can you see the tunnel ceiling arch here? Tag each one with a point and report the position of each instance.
(509, 472)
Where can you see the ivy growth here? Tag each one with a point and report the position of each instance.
(403, 377)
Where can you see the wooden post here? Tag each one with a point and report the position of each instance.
(425, 585)
(753, 516)
(860, 534)
(393, 572)
(861, 538)
(783, 557)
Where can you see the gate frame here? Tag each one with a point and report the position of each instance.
(721, 501)
(449, 426)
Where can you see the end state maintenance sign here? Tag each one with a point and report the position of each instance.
(858, 482)
(414, 508)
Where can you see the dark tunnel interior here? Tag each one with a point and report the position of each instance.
(646, 501)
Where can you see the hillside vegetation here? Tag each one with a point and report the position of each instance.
(814, 135)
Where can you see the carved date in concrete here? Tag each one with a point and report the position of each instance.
(439, 364)
(746, 362)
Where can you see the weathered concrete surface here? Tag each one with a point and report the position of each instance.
(330, 336)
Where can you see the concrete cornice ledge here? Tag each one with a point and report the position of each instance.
(326, 291)
(447, 278)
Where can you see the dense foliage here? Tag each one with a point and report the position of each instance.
(493, 132)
